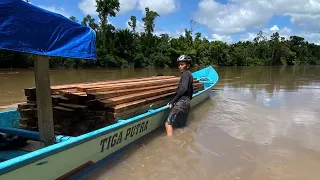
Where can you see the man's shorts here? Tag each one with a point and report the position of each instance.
(178, 115)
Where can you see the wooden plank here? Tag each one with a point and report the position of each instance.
(62, 112)
(66, 115)
(124, 106)
(30, 92)
(44, 101)
(77, 96)
(60, 88)
(67, 91)
(53, 89)
(26, 113)
(106, 87)
(76, 107)
(26, 106)
(65, 121)
(104, 82)
(100, 113)
(68, 111)
(33, 122)
(61, 99)
(74, 94)
(132, 97)
(31, 98)
(31, 102)
(133, 104)
(93, 85)
(65, 130)
(138, 110)
(131, 112)
(63, 109)
(95, 103)
(30, 128)
(57, 88)
(111, 94)
(133, 85)
(91, 113)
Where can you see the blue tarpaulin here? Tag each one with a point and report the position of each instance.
(27, 28)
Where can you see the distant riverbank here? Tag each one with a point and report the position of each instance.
(136, 51)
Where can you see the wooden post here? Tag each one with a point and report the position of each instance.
(44, 101)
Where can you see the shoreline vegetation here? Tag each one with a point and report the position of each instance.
(127, 48)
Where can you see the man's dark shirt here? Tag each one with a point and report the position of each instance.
(185, 87)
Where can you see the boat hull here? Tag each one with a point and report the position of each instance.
(74, 158)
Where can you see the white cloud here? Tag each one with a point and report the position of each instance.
(127, 5)
(247, 36)
(59, 10)
(162, 7)
(238, 15)
(274, 28)
(88, 7)
(306, 22)
(285, 32)
(139, 26)
(223, 38)
(158, 33)
(311, 37)
(179, 33)
(229, 18)
(267, 32)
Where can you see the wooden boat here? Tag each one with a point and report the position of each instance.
(73, 157)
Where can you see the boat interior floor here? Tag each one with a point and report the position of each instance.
(29, 147)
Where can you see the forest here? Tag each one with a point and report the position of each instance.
(127, 48)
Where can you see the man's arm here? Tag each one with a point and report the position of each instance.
(183, 87)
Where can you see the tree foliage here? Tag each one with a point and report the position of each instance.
(129, 48)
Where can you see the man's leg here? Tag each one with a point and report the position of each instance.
(169, 129)
(171, 121)
(183, 113)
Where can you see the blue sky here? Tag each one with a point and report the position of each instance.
(226, 20)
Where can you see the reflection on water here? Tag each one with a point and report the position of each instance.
(260, 123)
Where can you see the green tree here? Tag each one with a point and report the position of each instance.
(133, 23)
(149, 21)
(128, 48)
(73, 19)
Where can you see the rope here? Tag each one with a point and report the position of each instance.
(50, 139)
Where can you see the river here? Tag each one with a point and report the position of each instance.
(260, 123)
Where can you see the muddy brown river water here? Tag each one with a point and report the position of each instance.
(260, 123)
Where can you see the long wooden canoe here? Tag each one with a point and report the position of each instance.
(73, 157)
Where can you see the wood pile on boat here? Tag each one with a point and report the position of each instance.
(84, 107)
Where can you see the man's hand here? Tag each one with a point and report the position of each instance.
(170, 106)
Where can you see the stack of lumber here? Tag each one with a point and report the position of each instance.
(81, 108)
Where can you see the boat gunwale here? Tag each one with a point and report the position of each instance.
(42, 153)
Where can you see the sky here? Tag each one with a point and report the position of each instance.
(226, 20)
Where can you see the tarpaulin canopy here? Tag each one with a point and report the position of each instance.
(28, 28)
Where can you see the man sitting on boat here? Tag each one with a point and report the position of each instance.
(180, 104)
